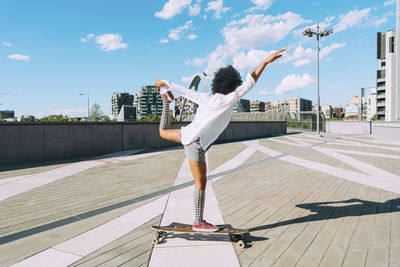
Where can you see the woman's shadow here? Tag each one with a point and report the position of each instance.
(337, 209)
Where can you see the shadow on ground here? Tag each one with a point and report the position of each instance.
(337, 209)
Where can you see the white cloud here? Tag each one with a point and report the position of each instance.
(249, 33)
(389, 2)
(7, 44)
(175, 34)
(260, 30)
(327, 49)
(110, 42)
(261, 4)
(293, 82)
(172, 8)
(218, 57)
(87, 38)
(302, 56)
(194, 10)
(192, 36)
(335, 86)
(252, 59)
(196, 61)
(218, 7)
(164, 41)
(315, 3)
(351, 19)
(19, 57)
(377, 21)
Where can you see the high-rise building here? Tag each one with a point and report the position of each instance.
(257, 106)
(7, 114)
(148, 101)
(188, 110)
(387, 93)
(298, 104)
(118, 100)
(277, 107)
(243, 105)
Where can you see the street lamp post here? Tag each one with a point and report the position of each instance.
(87, 105)
(310, 33)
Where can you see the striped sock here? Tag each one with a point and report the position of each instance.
(198, 199)
(165, 121)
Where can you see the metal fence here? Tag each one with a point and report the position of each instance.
(259, 116)
(253, 116)
(296, 120)
(305, 121)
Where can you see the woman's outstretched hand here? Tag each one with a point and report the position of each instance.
(275, 56)
(257, 72)
(159, 83)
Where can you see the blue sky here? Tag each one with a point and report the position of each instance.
(51, 51)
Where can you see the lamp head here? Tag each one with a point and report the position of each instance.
(308, 32)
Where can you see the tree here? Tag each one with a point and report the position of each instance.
(152, 117)
(31, 118)
(55, 118)
(373, 118)
(95, 112)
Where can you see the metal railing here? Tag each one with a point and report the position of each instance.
(297, 120)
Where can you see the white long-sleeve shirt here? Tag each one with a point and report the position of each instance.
(214, 112)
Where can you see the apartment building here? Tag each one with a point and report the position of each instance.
(257, 106)
(148, 101)
(118, 100)
(387, 93)
(243, 105)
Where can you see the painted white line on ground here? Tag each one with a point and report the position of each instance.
(379, 155)
(371, 141)
(82, 245)
(349, 143)
(388, 182)
(238, 159)
(49, 257)
(299, 140)
(13, 186)
(288, 143)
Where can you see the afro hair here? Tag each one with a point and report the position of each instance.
(226, 80)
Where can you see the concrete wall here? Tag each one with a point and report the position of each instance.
(348, 127)
(35, 142)
(386, 131)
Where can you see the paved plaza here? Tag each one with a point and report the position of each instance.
(306, 200)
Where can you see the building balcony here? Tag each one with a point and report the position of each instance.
(379, 80)
(380, 88)
(380, 96)
(380, 113)
(381, 104)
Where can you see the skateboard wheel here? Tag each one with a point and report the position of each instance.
(241, 244)
(156, 240)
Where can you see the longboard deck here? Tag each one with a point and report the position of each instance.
(187, 228)
(236, 234)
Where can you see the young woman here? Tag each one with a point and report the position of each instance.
(212, 117)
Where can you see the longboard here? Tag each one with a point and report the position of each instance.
(237, 235)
